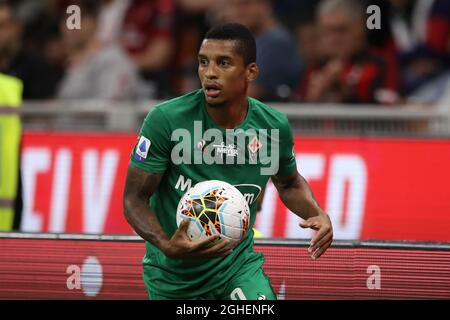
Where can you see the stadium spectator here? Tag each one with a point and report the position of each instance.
(347, 72)
(278, 62)
(111, 16)
(190, 25)
(95, 70)
(292, 12)
(39, 78)
(41, 29)
(421, 33)
(147, 36)
(306, 34)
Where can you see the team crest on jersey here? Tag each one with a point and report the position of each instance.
(253, 147)
(142, 149)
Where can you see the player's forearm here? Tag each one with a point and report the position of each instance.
(298, 197)
(144, 221)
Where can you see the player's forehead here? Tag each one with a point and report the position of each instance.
(212, 48)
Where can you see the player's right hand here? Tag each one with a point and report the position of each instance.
(181, 247)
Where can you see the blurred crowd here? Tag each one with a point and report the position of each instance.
(308, 51)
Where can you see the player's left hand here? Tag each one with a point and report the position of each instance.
(324, 236)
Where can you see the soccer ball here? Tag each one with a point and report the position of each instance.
(214, 207)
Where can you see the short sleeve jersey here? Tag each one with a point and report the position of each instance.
(180, 141)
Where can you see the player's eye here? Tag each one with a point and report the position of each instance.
(224, 63)
(202, 62)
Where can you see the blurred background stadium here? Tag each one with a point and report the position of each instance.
(365, 85)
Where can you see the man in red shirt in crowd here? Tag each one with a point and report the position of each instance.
(147, 35)
(346, 71)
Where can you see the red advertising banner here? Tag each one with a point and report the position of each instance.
(372, 188)
(92, 269)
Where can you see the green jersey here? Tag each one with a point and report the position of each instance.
(182, 142)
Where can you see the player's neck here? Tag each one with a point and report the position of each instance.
(229, 116)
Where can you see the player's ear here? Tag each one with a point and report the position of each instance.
(252, 72)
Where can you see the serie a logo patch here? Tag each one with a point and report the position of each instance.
(142, 149)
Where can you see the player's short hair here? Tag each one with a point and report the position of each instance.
(246, 45)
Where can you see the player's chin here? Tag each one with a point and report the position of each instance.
(215, 101)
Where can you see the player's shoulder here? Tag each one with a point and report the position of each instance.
(265, 113)
(179, 105)
(174, 112)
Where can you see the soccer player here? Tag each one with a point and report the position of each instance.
(174, 266)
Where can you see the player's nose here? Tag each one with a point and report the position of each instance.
(211, 71)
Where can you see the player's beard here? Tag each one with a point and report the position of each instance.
(218, 105)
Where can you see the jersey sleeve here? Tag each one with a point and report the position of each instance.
(152, 150)
(287, 163)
